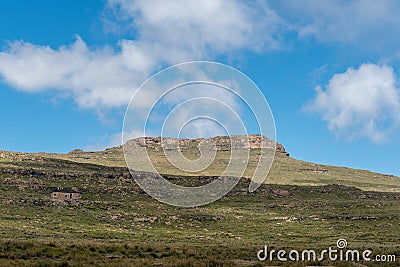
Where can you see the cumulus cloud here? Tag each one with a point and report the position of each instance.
(165, 33)
(204, 27)
(95, 79)
(342, 21)
(361, 102)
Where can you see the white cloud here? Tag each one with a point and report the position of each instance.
(342, 21)
(167, 32)
(96, 79)
(198, 29)
(360, 102)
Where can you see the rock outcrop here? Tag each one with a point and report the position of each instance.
(220, 143)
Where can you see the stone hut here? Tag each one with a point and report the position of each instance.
(64, 196)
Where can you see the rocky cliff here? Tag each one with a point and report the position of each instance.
(222, 143)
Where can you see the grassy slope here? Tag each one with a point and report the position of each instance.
(285, 170)
(117, 224)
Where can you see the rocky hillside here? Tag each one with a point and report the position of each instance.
(285, 169)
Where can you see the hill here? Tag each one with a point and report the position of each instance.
(285, 169)
(114, 223)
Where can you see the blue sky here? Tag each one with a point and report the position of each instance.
(329, 70)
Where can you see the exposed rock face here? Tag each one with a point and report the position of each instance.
(222, 143)
(76, 151)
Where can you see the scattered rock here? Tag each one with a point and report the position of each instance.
(76, 151)
(146, 219)
(315, 170)
(75, 189)
(242, 262)
(358, 264)
(112, 256)
(281, 192)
